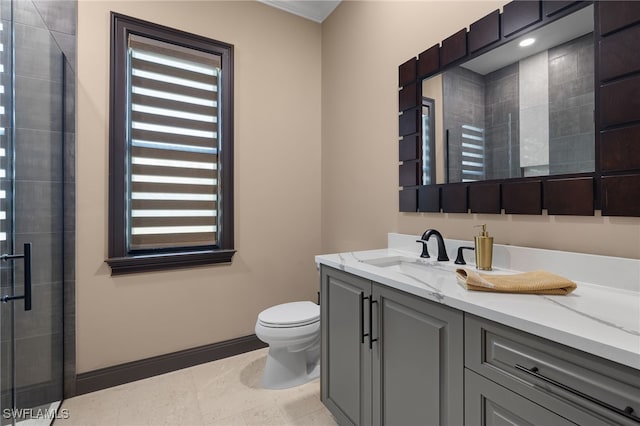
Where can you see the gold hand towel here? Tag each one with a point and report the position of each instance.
(535, 282)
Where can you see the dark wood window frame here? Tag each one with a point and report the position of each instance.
(430, 105)
(119, 258)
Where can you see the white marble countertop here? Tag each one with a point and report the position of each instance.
(601, 318)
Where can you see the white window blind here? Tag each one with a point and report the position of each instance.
(426, 145)
(473, 155)
(173, 145)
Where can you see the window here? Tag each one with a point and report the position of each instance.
(428, 141)
(473, 155)
(171, 148)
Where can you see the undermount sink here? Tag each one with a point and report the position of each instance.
(389, 261)
(405, 264)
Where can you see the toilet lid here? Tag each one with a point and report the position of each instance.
(292, 314)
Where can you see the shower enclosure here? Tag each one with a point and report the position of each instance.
(35, 149)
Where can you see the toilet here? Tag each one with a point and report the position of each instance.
(292, 331)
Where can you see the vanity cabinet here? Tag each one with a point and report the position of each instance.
(388, 358)
(524, 373)
(345, 367)
(392, 358)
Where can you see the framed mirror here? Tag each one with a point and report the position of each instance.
(489, 126)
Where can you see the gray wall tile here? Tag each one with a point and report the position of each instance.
(58, 15)
(37, 54)
(39, 155)
(38, 207)
(464, 103)
(39, 105)
(571, 121)
(67, 44)
(24, 12)
(44, 317)
(69, 168)
(69, 99)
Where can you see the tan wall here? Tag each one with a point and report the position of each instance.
(290, 204)
(277, 195)
(363, 43)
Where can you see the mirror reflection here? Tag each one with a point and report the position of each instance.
(523, 109)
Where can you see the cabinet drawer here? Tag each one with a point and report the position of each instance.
(487, 403)
(575, 384)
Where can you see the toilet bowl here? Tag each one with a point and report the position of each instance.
(292, 331)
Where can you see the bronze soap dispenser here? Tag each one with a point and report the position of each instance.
(484, 249)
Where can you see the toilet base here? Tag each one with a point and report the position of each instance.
(286, 369)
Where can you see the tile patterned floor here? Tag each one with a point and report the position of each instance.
(225, 392)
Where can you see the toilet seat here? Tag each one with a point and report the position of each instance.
(287, 315)
(292, 331)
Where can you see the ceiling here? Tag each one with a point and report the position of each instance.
(554, 34)
(315, 10)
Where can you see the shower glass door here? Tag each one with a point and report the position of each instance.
(31, 211)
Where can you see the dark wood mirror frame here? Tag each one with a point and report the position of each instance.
(614, 186)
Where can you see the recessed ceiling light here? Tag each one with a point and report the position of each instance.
(527, 42)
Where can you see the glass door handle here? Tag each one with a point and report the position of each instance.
(27, 276)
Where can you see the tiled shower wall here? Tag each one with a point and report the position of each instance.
(502, 123)
(464, 104)
(44, 200)
(491, 102)
(571, 107)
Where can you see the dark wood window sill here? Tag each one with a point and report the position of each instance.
(164, 261)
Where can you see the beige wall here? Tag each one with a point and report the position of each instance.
(277, 187)
(363, 42)
(315, 171)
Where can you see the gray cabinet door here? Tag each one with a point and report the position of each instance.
(417, 361)
(489, 404)
(345, 382)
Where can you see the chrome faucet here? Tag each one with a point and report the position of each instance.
(442, 251)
